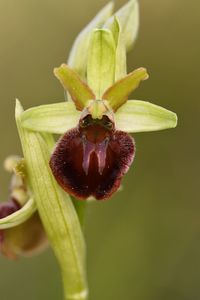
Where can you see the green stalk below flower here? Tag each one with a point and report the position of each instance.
(57, 213)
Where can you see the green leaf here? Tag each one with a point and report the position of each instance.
(78, 55)
(19, 216)
(101, 61)
(128, 17)
(54, 118)
(120, 56)
(118, 93)
(56, 210)
(141, 116)
(78, 89)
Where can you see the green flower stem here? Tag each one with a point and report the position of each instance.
(57, 213)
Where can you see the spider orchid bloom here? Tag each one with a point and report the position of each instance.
(96, 149)
(91, 159)
(21, 230)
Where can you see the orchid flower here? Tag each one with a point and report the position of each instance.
(95, 148)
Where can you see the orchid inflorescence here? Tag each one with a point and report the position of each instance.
(95, 149)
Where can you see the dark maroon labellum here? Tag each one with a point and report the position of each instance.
(91, 159)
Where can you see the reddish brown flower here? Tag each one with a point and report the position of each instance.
(23, 237)
(91, 159)
(6, 209)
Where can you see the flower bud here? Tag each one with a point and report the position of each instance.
(25, 239)
(28, 237)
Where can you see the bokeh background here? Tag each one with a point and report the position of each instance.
(144, 243)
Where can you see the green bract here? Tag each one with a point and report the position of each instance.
(128, 17)
(56, 210)
(78, 55)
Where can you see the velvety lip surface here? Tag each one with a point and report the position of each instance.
(91, 161)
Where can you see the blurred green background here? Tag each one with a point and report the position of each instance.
(144, 243)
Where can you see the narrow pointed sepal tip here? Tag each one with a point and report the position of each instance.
(175, 120)
(18, 108)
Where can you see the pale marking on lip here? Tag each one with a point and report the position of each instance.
(99, 149)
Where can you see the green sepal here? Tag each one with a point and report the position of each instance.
(79, 52)
(120, 54)
(128, 17)
(20, 216)
(53, 118)
(118, 93)
(72, 83)
(133, 116)
(101, 61)
(142, 116)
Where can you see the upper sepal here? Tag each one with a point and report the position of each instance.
(101, 61)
